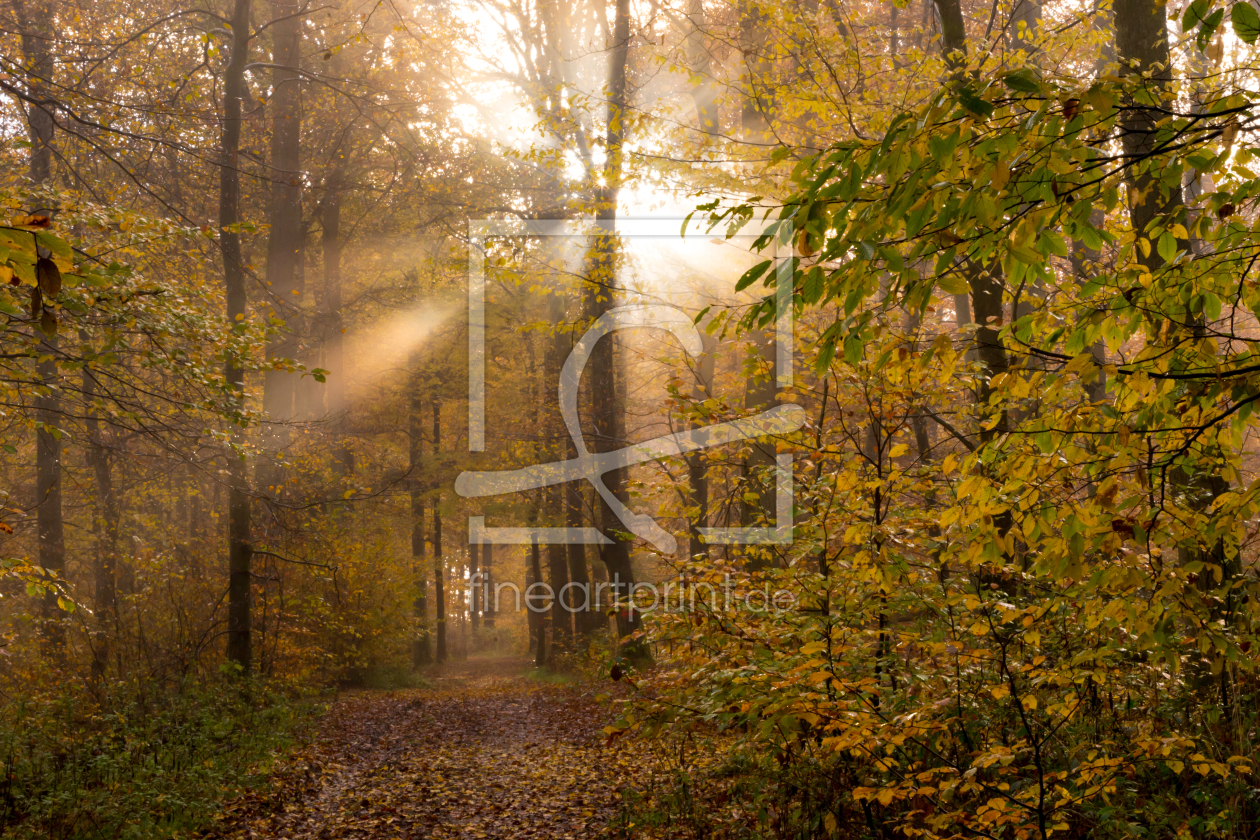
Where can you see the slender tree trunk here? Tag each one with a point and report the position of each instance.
(1025, 23)
(1142, 46)
(987, 284)
(105, 526)
(239, 548)
(953, 34)
(586, 620)
(48, 517)
(487, 584)
(699, 61)
(284, 245)
(332, 321)
(560, 618)
(760, 393)
(474, 589)
(601, 291)
(558, 571)
(439, 564)
(537, 618)
(755, 114)
(36, 20)
(697, 468)
(420, 655)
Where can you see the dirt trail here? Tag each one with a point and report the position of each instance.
(484, 753)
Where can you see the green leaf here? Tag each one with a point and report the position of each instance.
(853, 349)
(60, 249)
(1209, 28)
(1053, 243)
(1194, 15)
(973, 103)
(953, 283)
(1025, 79)
(1246, 22)
(1211, 306)
(1167, 246)
(825, 355)
(18, 242)
(752, 275)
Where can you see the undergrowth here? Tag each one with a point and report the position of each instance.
(140, 760)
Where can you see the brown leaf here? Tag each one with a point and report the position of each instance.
(49, 277)
(48, 322)
(37, 303)
(805, 244)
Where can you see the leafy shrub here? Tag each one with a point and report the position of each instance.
(136, 760)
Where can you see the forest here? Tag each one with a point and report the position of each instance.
(608, 419)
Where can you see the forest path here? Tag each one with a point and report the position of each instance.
(484, 753)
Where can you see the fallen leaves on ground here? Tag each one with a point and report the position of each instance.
(485, 753)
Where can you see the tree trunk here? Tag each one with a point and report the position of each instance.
(105, 526)
(487, 584)
(1025, 22)
(953, 35)
(586, 619)
(285, 242)
(48, 517)
(239, 548)
(558, 571)
(703, 94)
(537, 619)
(561, 619)
(760, 393)
(601, 290)
(332, 321)
(36, 20)
(420, 655)
(474, 589)
(1141, 44)
(755, 113)
(987, 284)
(697, 470)
(439, 564)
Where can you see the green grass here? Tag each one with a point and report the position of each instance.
(550, 677)
(386, 678)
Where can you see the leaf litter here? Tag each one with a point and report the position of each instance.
(484, 753)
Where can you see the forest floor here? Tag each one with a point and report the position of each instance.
(484, 752)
